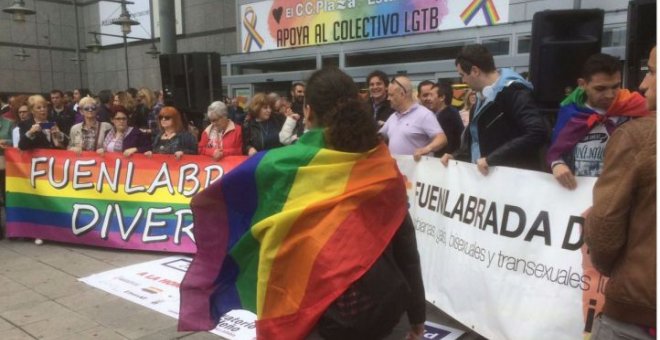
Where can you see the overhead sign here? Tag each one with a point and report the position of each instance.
(139, 11)
(276, 24)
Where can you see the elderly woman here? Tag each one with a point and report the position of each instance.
(222, 137)
(122, 137)
(174, 138)
(37, 132)
(262, 129)
(89, 134)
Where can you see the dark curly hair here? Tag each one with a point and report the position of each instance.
(333, 97)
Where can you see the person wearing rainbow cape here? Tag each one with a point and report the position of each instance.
(587, 118)
(315, 238)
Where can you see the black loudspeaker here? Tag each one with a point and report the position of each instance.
(641, 37)
(561, 43)
(193, 80)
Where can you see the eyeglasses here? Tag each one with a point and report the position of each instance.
(164, 117)
(23, 111)
(120, 118)
(400, 85)
(89, 108)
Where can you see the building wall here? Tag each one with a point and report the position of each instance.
(208, 26)
(35, 73)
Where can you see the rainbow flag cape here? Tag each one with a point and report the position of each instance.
(287, 232)
(575, 119)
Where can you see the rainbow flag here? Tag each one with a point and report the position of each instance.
(286, 232)
(487, 6)
(109, 201)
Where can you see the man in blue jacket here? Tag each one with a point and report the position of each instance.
(506, 128)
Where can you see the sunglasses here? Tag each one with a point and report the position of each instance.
(394, 81)
(164, 117)
(89, 108)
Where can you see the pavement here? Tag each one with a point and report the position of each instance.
(41, 297)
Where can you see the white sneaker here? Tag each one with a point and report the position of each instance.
(38, 241)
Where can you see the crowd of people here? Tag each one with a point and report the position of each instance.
(499, 124)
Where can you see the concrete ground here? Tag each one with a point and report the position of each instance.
(41, 297)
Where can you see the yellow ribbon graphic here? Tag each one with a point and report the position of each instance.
(250, 25)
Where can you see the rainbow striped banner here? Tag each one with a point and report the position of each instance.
(109, 201)
(486, 6)
(285, 233)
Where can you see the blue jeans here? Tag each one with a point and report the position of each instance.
(606, 328)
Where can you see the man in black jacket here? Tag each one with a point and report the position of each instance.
(506, 128)
(437, 98)
(59, 113)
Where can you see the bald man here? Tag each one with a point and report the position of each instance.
(412, 129)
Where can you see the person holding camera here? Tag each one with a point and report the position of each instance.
(38, 132)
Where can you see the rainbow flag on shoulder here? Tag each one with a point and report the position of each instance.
(287, 232)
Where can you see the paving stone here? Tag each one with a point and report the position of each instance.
(66, 323)
(128, 319)
(16, 334)
(5, 325)
(34, 312)
(76, 264)
(167, 333)
(10, 267)
(202, 336)
(20, 299)
(97, 333)
(118, 258)
(9, 286)
(51, 283)
(142, 324)
(87, 297)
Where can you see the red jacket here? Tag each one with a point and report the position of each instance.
(232, 141)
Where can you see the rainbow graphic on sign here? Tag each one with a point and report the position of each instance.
(486, 6)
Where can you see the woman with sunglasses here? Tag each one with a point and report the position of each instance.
(37, 132)
(123, 137)
(222, 137)
(89, 134)
(174, 138)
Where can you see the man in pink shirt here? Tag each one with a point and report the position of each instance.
(412, 129)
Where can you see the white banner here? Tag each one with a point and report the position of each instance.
(502, 253)
(155, 285)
